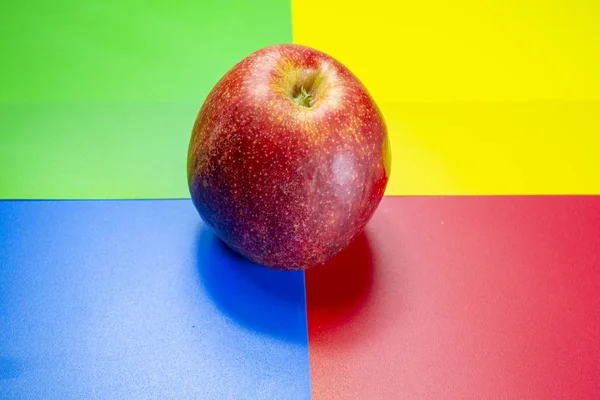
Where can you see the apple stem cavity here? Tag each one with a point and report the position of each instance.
(303, 98)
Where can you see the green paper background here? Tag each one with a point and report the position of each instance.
(98, 98)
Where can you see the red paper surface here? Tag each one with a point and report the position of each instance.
(462, 298)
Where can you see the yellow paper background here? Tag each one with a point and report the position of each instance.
(481, 97)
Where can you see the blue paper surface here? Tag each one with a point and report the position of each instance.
(138, 299)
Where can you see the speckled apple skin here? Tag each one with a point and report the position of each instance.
(288, 186)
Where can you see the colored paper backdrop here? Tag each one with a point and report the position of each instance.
(478, 276)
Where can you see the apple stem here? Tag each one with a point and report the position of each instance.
(303, 98)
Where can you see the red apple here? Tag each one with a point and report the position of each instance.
(288, 158)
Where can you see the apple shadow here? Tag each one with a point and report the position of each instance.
(340, 288)
(259, 299)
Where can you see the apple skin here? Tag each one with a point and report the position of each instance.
(288, 158)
